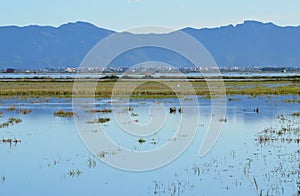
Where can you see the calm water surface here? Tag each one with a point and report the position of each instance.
(98, 75)
(51, 159)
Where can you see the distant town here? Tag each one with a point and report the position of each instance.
(151, 69)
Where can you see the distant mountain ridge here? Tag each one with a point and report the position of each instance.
(252, 43)
(45, 46)
(249, 44)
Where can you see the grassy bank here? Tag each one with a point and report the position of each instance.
(149, 89)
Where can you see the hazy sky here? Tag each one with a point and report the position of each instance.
(123, 14)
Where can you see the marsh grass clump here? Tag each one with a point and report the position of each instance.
(14, 120)
(102, 154)
(234, 99)
(11, 109)
(5, 124)
(63, 113)
(25, 111)
(223, 120)
(11, 121)
(296, 114)
(103, 120)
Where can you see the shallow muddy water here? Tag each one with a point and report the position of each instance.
(257, 153)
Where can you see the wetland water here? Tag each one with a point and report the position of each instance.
(99, 75)
(257, 153)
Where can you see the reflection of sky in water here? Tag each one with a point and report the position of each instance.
(237, 165)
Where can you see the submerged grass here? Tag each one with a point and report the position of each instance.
(287, 131)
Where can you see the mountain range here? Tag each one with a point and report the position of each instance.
(251, 43)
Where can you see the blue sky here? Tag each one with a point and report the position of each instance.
(123, 14)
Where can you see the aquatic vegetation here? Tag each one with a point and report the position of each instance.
(196, 170)
(288, 131)
(233, 99)
(63, 113)
(85, 106)
(99, 120)
(101, 111)
(64, 88)
(91, 163)
(103, 120)
(102, 154)
(24, 111)
(176, 187)
(141, 140)
(10, 141)
(223, 120)
(133, 114)
(11, 121)
(73, 173)
(5, 124)
(3, 179)
(11, 109)
(153, 142)
(180, 110)
(173, 110)
(296, 114)
(291, 100)
(255, 183)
